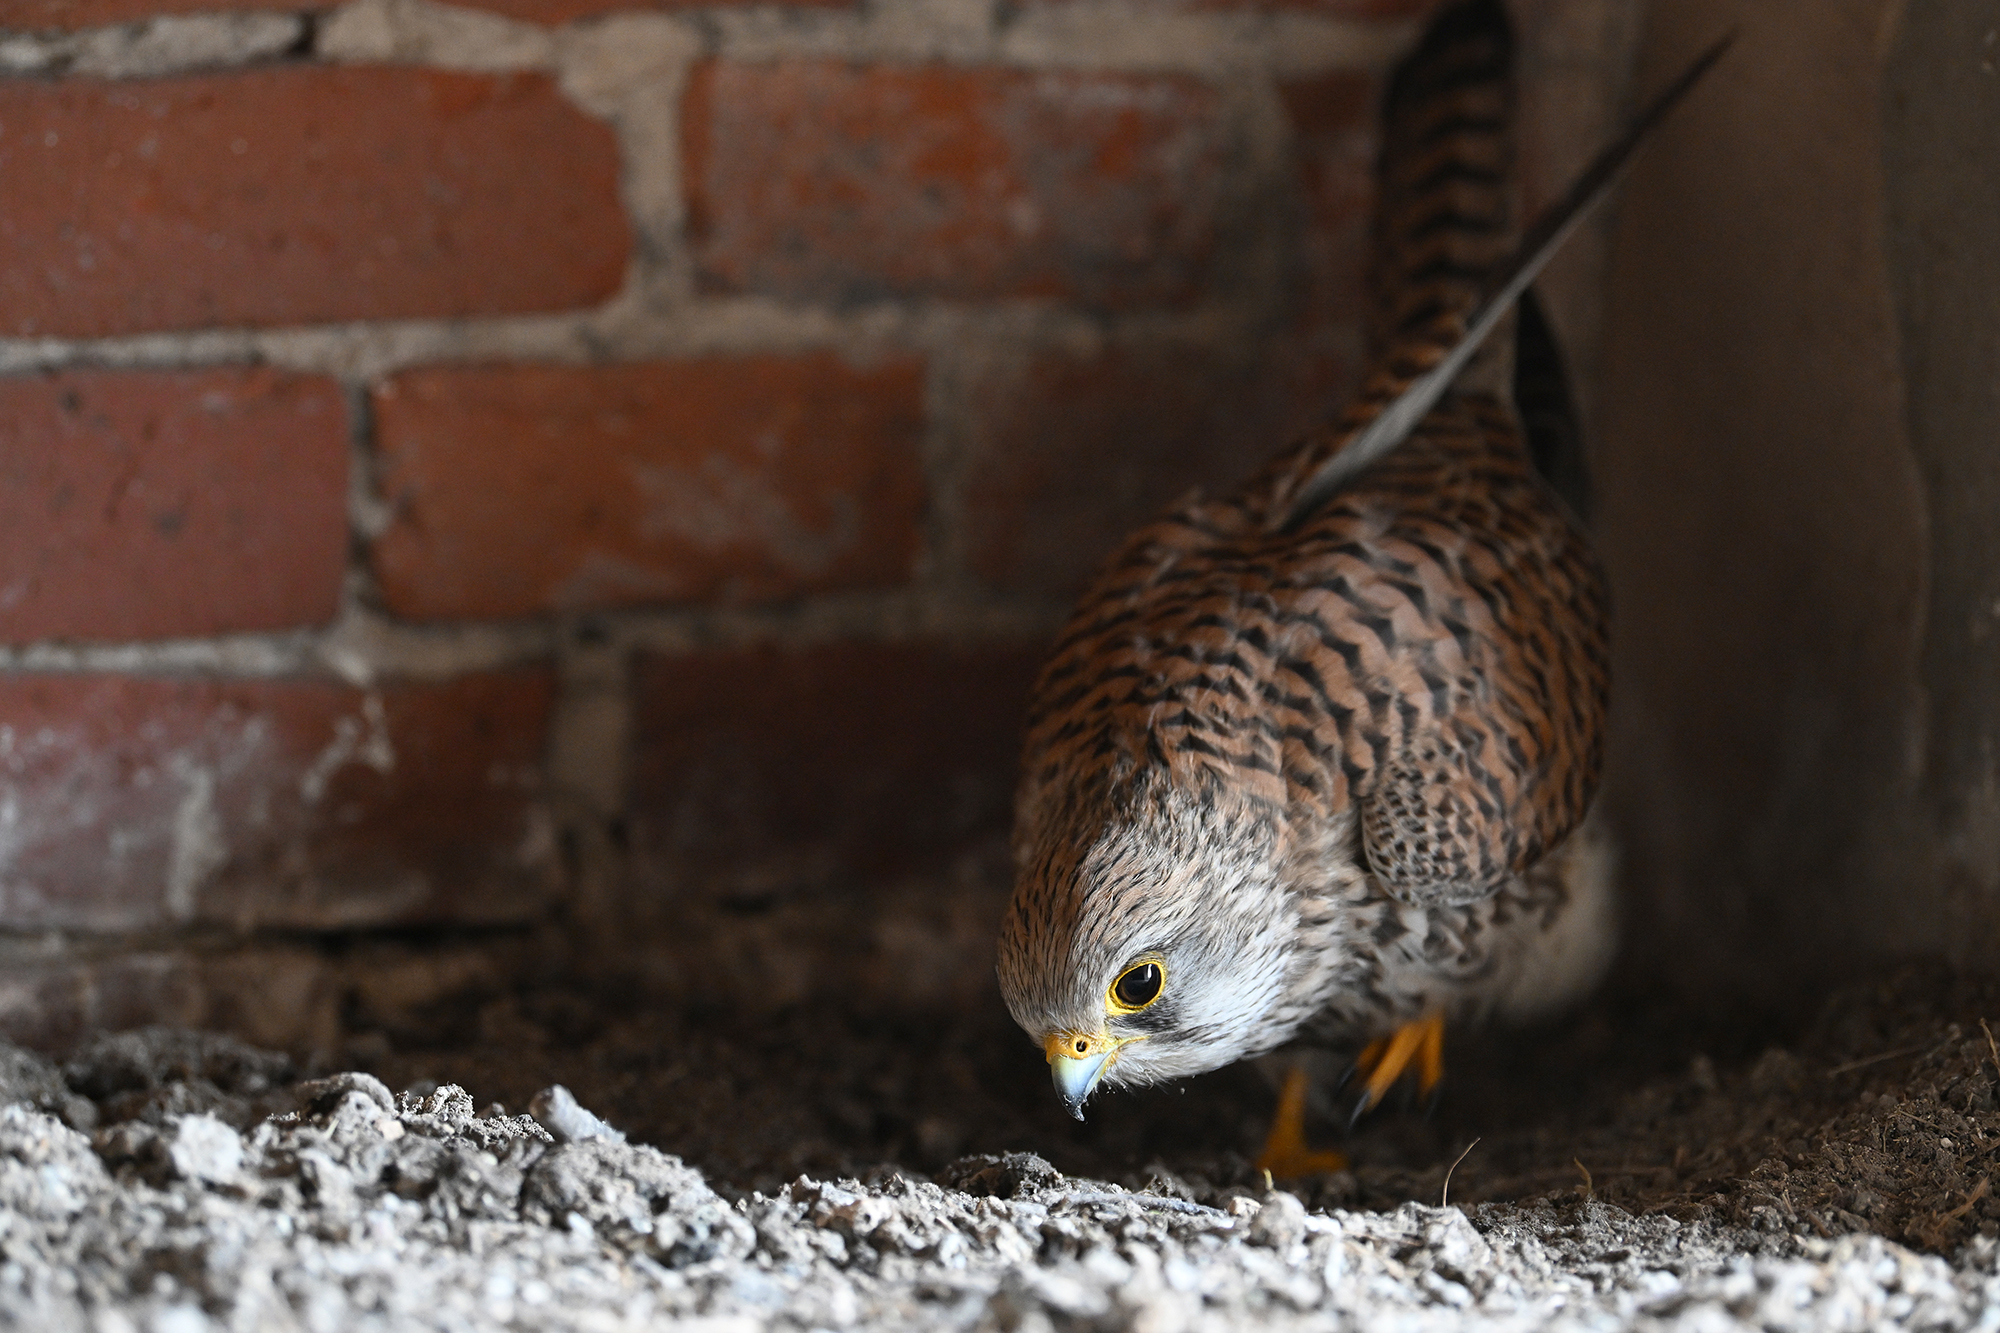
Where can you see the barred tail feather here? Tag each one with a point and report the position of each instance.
(1409, 380)
(1445, 210)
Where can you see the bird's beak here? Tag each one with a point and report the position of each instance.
(1075, 1078)
(1076, 1060)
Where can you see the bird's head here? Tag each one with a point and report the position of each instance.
(1148, 941)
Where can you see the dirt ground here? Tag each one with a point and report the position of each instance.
(1879, 1115)
(1631, 1170)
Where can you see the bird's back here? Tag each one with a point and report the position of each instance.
(1418, 662)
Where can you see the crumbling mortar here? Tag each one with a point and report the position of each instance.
(167, 45)
(412, 32)
(369, 512)
(362, 647)
(635, 325)
(631, 70)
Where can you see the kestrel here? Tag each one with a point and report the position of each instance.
(1312, 762)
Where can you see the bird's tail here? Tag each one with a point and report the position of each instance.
(1448, 267)
(1445, 202)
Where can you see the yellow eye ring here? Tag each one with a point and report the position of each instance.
(1137, 987)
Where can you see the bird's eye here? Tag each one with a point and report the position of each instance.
(1137, 986)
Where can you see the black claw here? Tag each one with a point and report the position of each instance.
(1360, 1109)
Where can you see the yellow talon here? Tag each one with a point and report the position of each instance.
(1388, 1059)
(1285, 1154)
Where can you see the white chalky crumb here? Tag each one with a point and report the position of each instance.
(556, 1109)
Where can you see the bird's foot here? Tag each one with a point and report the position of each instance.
(1382, 1063)
(1285, 1155)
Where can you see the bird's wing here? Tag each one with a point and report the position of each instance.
(1479, 681)
(1547, 409)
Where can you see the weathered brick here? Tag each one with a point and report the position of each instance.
(1069, 454)
(828, 181)
(520, 489)
(826, 820)
(52, 1003)
(1316, 355)
(277, 997)
(134, 802)
(139, 504)
(1333, 121)
(300, 195)
(768, 773)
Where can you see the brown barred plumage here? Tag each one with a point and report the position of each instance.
(1327, 766)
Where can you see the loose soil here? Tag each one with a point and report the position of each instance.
(809, 1170)
(1880, 1115)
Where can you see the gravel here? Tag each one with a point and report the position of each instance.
(175, 1182)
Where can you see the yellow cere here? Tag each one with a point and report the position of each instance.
(1075, 1045)
(1083, 1045)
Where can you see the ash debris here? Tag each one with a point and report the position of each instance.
(172, 1182)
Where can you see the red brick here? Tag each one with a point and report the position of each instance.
(829, 181)
(53, 1003)
(278, 997)
(136, 505)
(1069, 454)
(826, 820)
(135, 802)
(297, 196)
(1333, 120)
(765, 774)
(521, 489)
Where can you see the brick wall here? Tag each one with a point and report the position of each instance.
(612, 464)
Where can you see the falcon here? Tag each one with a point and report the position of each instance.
(1311, 763)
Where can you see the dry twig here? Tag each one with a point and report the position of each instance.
(1444, 1195)
(1865, 1061)
(1978, 1193)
